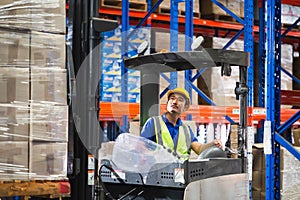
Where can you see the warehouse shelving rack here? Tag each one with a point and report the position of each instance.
(270, 49)
(200, 113)
(273, 37)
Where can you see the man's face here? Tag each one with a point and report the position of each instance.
(176, 103)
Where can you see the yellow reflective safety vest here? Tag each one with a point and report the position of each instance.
(181, 147)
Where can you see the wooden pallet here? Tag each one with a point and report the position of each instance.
(163, 11)
(195, 14)
(216, 17)
(133, 5)
(167, 11)
(286, 26)
(26, 189)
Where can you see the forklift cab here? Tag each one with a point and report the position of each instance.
(191, 179)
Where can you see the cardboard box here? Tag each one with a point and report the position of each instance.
(256, 194)
(262, 195)
(47, 50)
(164, 4)
(14, 84)
(221, 88)
(14, 48)
(48, 160)
(208, 7)
(258, 157)
(234, 6)
(13, 160)
(289, 13)
(196, 8)
(242, 8)
(287, 64)
(289, 162)
(14, 132)
(258, 180)
(47, 16)
(49, 84)
(48, 123)
(14, 120)
(296, 136)
(22, 49)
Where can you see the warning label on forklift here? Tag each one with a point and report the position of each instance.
(91, 177)
(118, 173)
(179, 175)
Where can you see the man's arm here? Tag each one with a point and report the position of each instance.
(148, 130)
(198, 148)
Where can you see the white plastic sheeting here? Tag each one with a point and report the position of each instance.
(137, 154)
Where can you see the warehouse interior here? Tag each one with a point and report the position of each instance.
(79, 80)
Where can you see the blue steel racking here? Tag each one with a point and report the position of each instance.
(270, 54)
(248, 38)
(270, 68)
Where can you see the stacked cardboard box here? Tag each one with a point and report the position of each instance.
(296, 72)
(210, 9)
(196, 8)
(165, 7)
(296, 136)
(221, 88)
(234, 139)
(111, 65)
(47, 16)
(289, 174)
(289, 13)
(33, 107)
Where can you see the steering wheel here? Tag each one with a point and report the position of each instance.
(212, 152)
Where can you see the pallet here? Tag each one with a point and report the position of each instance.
(286, 26)
(223, 18)
(133, 5)
(34, 188)
(195, 14)
(163, 11)
(167, 11)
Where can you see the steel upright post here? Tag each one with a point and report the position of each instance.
(273, 56)
(124, 74)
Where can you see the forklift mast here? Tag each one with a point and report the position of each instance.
(85, 139)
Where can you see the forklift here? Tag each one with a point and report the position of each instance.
(167, 178)
(87, 182)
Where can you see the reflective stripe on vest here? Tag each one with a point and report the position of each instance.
(163, 137)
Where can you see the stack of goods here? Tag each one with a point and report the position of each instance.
(111, 54)
(34, 111)
(289, 174)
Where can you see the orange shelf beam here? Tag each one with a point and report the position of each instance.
(200, 22)
(113, 111)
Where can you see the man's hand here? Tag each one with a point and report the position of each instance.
(198, 148)
(217, 143)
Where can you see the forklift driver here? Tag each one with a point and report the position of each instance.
(171, 132)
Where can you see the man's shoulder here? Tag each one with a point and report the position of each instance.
(191, 124)
(159, 117)
(150, 120)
